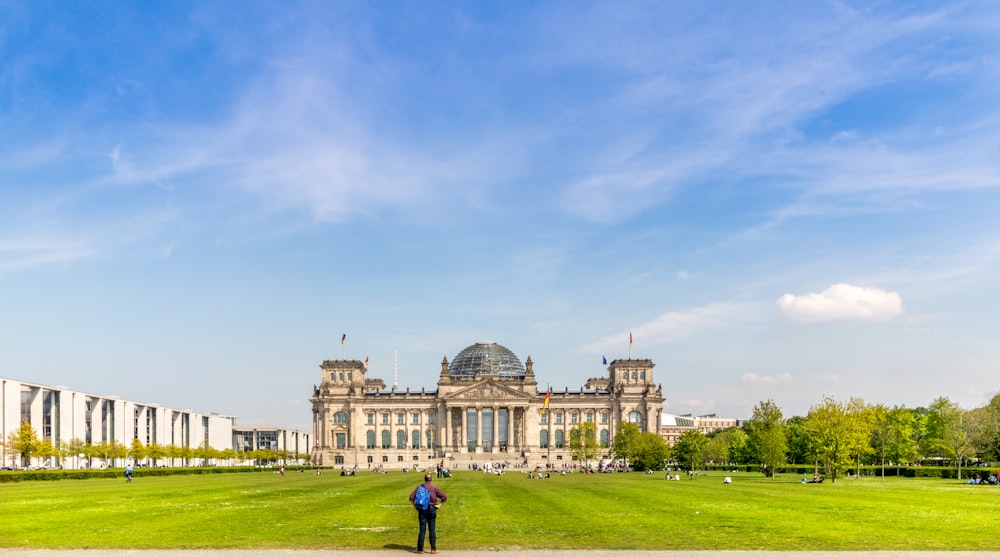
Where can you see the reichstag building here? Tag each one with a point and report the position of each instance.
(486, 407)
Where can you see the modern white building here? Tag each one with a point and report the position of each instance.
(62, 416)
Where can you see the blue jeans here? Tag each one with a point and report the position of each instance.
(428, 521)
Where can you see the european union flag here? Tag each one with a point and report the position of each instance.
(605, 358)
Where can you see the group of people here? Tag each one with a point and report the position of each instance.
(992, 479)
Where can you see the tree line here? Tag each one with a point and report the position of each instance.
(833, 437)
(26, 443)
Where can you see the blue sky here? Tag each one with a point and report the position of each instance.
(779, 200)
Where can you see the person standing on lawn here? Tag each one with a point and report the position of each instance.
(427, 499)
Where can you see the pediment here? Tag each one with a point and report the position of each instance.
(487, 391)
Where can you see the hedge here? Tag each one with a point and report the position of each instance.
(55, 475)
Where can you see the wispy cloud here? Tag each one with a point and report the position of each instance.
(672, 326)
(755, 379)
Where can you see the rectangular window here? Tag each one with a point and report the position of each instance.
(545, 418)
(559, 418)
(416, 418)
(399, 418)
(341, 440)
(472, 436)
(430, 419)
(385, 418)
(590, 416)
(604, 417)
(338, 459)
(573, 417)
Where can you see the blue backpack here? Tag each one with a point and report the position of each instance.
(422, 499)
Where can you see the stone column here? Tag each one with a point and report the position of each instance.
(496, 429)
(510, 430)
(479, 429)
(464, 436)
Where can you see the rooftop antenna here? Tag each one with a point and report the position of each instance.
(395, 369)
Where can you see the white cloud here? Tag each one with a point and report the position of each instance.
(842, 302)
(766, 379)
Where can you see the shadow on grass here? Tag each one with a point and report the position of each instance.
(409, 548)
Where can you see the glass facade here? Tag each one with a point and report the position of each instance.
(486, 359)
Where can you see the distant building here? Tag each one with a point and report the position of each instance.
(61, 415)
(673, 426)
(246, 439)
(487, 406)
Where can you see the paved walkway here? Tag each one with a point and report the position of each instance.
(468, 553)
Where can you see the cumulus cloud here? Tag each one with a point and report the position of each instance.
(842, 302)
(753, 378)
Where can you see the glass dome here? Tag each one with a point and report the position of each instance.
(486, 359)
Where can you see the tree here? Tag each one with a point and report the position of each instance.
(827, 425)
(690, 448)
(717, 448)
(986, 433)
(155, 452)
(892, 435)
(739, 445)
(626, 441)
(137, 451)
(23, 441)
(45, 450)
(76, 448)
(860, 422)
(800, 449)
(767, 436)
(947, 426)
(652, 452)
(583, 442)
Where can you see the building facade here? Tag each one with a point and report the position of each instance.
(63, 417)
(486, 407)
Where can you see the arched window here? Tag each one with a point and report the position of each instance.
(400, 439)
(340, 418)
(604, 438)
(371, 439)
(430, 438)
(415, 436)
(559, 438)
(385, 439)
(634, 417)
(543, 439)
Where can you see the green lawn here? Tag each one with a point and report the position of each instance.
(613, 511)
